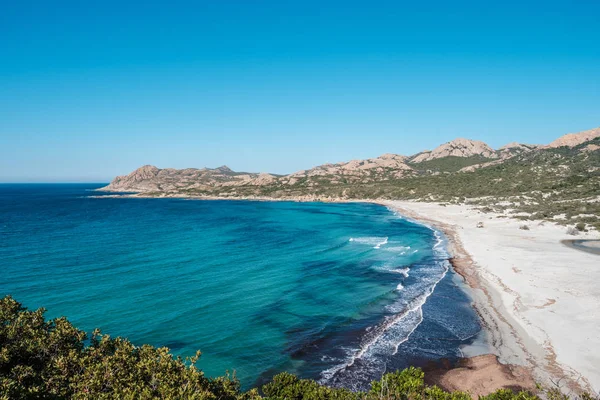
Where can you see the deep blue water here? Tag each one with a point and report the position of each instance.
(336, 292)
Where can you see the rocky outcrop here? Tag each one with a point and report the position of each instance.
(512, 149)
(152, 179)
(518, 147)
(264, 179)
(140, 178)
(458, 148)
(574, 139)
(385, 167)
(505, 152)
(590, 148)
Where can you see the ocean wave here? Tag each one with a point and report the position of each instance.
(398, 249)
(402, 271)
(378, 245)
(439, 240)
(380, 342)
(393, 269)
(375, 241)
(383, 340)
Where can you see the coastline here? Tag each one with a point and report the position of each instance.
(490, 363)
(515, 276)
(524, 288)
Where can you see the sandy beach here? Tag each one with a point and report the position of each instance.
(538, 298)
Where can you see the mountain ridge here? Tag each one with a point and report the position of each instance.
(456, 156)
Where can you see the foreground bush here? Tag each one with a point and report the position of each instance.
(42, 359)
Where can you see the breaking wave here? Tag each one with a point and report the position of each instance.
(374, 241)
(381, 341)
(402, 271)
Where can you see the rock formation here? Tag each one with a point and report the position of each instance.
(458, 148)
(574, 139)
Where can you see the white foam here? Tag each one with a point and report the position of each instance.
(375, 241)
(440, 240)
(378, 245)
(400, 249)
(385, 338)
(403, 271)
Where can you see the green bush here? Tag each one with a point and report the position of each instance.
(52, 359)
(42, 359)
(289, 387)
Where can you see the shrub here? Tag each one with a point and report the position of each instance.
(506, 394)
(42, 359)
(48, 359)
(408, 383)
(289, 387)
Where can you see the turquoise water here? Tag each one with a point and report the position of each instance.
(336, 292)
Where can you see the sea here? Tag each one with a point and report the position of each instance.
(340, 293)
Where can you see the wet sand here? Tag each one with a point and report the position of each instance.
(587, 245)
(538, 299)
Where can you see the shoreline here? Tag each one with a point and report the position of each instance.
(519, 331)
(520, 343)
(477, 372)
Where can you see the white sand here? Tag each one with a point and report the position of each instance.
(539, 298)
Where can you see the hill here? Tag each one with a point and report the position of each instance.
(559, 181)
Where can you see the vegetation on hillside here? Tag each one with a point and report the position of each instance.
(51, 359)
(449, 164)
(559, 184)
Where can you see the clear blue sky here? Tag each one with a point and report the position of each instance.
(89, 90)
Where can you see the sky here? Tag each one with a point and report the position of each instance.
(91, 90)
